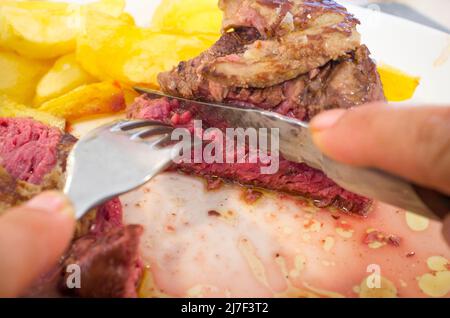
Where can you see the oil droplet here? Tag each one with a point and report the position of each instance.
(200, 291)
(416, 222)
(386, 289)
(306, 237)
(437, 263)
(312, 225)
(345, 233)
(376, 245)
(299, 263)
(435, 285)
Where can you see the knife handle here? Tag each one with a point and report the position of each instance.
(437, 202)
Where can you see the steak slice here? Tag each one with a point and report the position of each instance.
(298, 36)
(350, 81)
(32, 159)
(295, 178)
(273, 18)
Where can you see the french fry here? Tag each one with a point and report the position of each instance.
(19, 76)
(44, 29)
(87, 100)
(114, 49)
(188, 17)
(9, 108)
(65, 75)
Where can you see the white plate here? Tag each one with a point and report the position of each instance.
(277, 246)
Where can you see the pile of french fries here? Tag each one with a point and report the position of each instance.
(62, 62)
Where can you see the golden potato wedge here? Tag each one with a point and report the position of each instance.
(114, 49)
(38, 30)
(65, 75)
(87, 100)
(398, 86)
(188, 17)
(45, 30)
(9, 108)
(19, 76)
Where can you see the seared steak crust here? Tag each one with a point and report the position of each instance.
(350, 81)
(298, 36)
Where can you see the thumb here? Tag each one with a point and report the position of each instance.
(32, 239)
(411, 142)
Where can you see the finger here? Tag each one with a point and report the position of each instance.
(412, 142)
(32, 239)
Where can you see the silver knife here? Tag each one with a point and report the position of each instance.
(296, 145)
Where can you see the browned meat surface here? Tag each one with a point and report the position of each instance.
(187, 80)
(350, 81)
(278, 17)
(295, 72)
(297, 37)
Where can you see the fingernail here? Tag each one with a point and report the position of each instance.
(326, 120)
(53, 202)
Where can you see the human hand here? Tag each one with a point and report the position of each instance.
(411, 142)
(32, 239)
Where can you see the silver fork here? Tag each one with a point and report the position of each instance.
(116, 158)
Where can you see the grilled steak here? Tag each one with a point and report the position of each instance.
(297, 37)
(32, 159)
(350, 81)
(295, 178)
(293, 57)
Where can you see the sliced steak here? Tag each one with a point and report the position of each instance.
(298, 36)
(186, 79)
(273, 18)
(350, 81)
(110, 263)
(295, 178)
(33, 159)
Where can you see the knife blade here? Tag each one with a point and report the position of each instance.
(296, 144)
